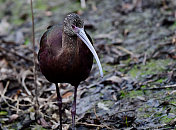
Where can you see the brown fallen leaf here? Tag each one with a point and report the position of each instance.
(67, 94)
(114, 79)
(3, 63)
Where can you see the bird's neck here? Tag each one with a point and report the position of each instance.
(69, 41)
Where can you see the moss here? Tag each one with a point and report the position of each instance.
(18, 8)
(135, 93)
(123, 93)
(159, 114)
(151, 67)
(134, 72)
(165, 119)
(17, 21)
(40, 4)
(38, 127)
(1, 1)
(173, 26)
(122, 70)
(173, 101)
(127, 61)
(3, 113)
(146, 115)
(27, 41)
(131, 94)
(126, 122)
(107, 102)
(101, 94)
(160, 81)
(143, 86)
(140, 109)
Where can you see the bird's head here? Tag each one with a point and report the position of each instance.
(71, 24)
(74, 26)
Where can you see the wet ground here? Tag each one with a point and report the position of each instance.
(135, 40)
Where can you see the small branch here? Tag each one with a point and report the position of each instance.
(4, 99)
(34, 57)
(23, 81)
(96, 113)
(5, 89)
(164, 87)
(125, 50)
(145, 58)
(172, 104)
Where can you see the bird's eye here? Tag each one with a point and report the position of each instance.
(73, 26)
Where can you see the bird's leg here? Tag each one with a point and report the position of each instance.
(60, 104)
(73, 111)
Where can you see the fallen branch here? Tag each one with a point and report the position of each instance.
(125, 50)
(24, 75)
(164, 87)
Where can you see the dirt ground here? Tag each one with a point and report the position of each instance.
(135, 40)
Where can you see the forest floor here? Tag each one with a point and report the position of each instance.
(135, 40)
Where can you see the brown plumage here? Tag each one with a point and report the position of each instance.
(69, 62)
(65, 56)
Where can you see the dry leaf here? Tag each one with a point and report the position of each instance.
(13, 117)
(114, 79)
(67, 94)
(103, 106)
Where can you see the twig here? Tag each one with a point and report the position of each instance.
(125, 50)
(8, 98)
(17, 106)
(172, 104)
(96, 113)
(83, 4)
(4, 99)
(16, 54)
(24, 75)
(94, 125)
(12, 100)
(11, 105)
(34, 57)
(5, 89)
(164, 87)
(145, 58)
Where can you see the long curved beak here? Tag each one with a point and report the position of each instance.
(82, 35)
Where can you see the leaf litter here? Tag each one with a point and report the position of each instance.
(135, 40)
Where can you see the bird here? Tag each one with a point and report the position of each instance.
(66, 56)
